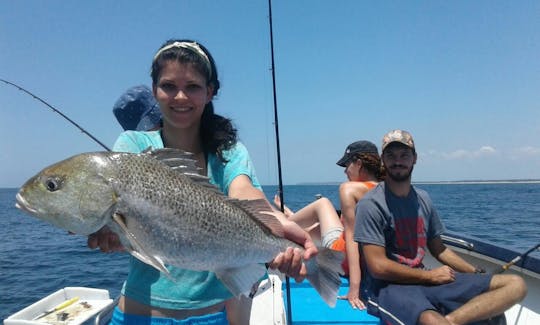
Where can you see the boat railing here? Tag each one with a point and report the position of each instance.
(458, 241)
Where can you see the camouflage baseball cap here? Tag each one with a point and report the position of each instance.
(400, 136)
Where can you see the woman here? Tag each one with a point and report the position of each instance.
(364, 170)
(184, 82)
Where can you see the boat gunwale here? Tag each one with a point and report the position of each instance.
(498, 253)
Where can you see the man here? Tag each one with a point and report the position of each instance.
(137, 109)
(395, 224)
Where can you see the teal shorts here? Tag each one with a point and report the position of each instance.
(211, 319)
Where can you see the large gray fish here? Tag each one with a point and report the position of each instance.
(166, 213)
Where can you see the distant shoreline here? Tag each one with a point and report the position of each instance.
(462, 182)
(532, 181)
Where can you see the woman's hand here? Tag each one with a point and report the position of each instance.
(290, 262)
(106, 240)
(354, 300)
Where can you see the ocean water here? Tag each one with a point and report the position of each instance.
(37, 259)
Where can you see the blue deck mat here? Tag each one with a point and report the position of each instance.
(309, 308)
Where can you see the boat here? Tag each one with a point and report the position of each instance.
(279, 301)
(70, 305)
(308, 308)
(273, 301)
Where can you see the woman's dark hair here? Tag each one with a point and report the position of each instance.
(217, 132)
(372, 162)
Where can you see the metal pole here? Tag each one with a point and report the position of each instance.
(276, 128)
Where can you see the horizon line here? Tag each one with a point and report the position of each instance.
(494, 181)
(478, 181)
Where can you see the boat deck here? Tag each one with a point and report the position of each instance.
(309, 308)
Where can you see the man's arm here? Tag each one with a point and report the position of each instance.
(447, 257)
(383, 268)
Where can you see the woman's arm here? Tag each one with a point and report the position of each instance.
(290, 261)
(349, 194)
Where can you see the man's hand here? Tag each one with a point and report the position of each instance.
(106, 240)
(442, 275)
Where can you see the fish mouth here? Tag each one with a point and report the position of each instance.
(23, 204)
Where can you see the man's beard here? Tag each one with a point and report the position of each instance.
(401, 176)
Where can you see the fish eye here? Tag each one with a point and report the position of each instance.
(52, 184)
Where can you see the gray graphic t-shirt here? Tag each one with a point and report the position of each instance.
(403, 225)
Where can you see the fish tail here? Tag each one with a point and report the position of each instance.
(323, 273)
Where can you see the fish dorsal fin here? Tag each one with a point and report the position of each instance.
(262, 212)
(136, 249)
(177, 159)
(182, 162)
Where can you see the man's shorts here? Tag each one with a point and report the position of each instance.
(403, 304)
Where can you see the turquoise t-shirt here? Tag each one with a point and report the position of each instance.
(189, 289)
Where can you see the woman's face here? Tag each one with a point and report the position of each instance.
(352, 170)
(182, 93)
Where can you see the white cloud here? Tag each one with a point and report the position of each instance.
(469, 154)
(487, 150)
(458, 154)
(482, 152)
(485, 162)
(528, 151)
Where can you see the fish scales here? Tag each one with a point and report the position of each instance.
(216, 232)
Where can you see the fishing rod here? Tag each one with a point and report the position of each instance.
(517, 259)
(56, 111)
(278, 150)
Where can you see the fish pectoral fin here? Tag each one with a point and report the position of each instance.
(136, 248)
(261, 211)
(153, 261)
(240, 280)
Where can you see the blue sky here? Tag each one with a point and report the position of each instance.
(462, 76)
